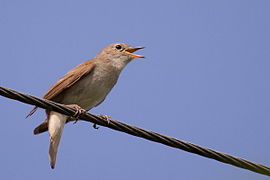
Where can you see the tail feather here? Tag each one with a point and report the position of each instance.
(43, 127)
(53, 152)
(56, 126)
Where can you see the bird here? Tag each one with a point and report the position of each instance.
(83, 88)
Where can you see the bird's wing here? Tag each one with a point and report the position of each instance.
(67, 80)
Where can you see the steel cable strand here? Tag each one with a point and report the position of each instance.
(133, 130)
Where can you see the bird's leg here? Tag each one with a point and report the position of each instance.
(105, 117)
(78, 112)
(95, 126)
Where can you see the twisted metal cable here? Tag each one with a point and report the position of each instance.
(136, 131)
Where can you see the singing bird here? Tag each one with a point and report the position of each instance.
(84, 87)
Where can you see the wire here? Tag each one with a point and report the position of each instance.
(136, 131)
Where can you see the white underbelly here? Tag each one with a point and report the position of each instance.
(87, 93)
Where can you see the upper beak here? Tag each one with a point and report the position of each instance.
(130, 51)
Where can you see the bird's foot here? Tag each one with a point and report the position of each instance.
(95, 126)
(78, 112)
(105, 117)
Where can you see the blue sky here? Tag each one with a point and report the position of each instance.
(205, 80)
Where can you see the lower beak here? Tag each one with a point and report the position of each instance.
(130, 51)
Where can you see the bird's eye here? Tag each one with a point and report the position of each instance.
(118, 46)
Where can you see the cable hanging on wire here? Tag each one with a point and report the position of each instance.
(136, 131)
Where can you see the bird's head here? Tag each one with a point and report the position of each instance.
(119, 54)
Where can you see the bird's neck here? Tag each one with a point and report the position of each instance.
(118, 65)
(114, 64)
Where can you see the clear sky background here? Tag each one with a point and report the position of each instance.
(205, 80)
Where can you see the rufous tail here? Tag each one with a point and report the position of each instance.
(56, 122)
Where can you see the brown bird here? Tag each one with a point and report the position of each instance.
(84, 87)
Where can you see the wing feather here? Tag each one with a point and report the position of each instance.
(67, 80)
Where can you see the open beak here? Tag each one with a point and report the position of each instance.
(130, 51)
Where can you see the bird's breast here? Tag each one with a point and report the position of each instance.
(92, 89)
